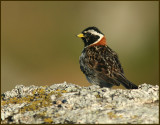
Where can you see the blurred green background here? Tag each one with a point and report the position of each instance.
(39, 46)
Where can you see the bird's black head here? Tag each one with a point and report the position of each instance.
(91, 35)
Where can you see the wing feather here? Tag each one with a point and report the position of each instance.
(105, 63)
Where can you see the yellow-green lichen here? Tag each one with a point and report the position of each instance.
(134, 116)
(48, 120)
(63, 91)
(112, 115)
(36, 101)
(98, 96)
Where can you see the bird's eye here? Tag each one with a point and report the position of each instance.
(88, 34)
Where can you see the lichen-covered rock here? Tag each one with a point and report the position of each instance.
(69, 103)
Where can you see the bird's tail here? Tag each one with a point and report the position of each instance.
(126, 83)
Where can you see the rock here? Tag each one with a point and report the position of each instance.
(71, 104)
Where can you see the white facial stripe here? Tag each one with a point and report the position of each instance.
(96, 33)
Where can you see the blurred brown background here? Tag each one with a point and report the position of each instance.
(39, 45)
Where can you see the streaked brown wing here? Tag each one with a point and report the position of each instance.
(105, 64)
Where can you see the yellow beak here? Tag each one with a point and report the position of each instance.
(80, 35)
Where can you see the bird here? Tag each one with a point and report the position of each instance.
(99, 62)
